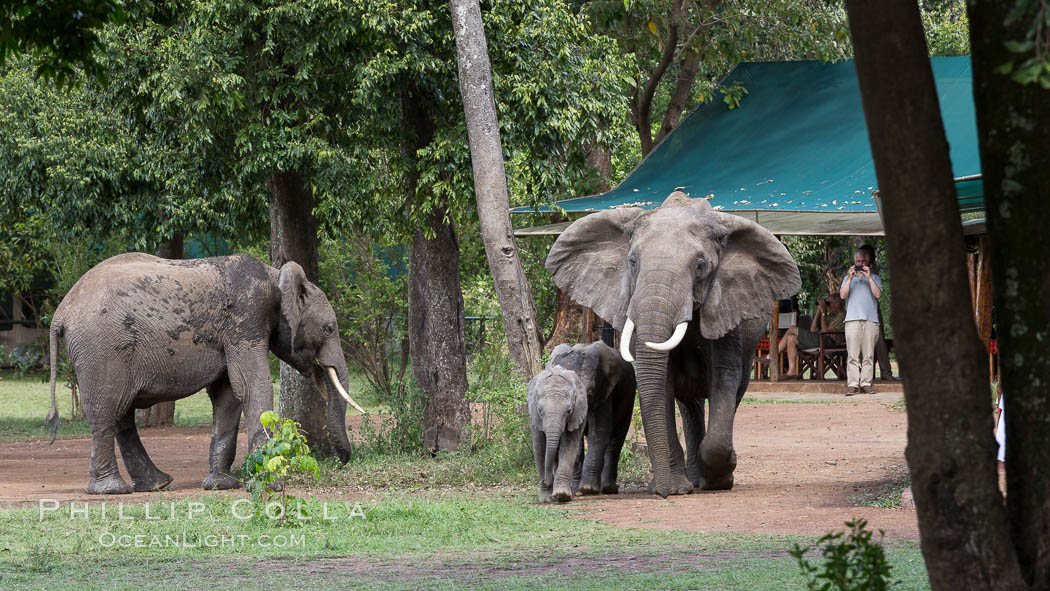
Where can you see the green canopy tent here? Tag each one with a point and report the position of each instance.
(793, 156)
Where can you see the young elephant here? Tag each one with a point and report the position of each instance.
(592, 380)
(141, 330)
(557, 413)
(610, 385)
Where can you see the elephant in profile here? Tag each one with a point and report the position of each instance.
(691, 288)
(585, 390)
(141, 330)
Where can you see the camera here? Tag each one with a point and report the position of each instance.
(858, 268)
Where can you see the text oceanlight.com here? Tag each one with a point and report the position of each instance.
(185, 541)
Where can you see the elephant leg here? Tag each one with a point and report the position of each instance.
(598, 433)
(248, 371)
(539, 446)
(621, 411)
(226, 416)
(145, 476)
(717, 458)
(577, 470)
(567, 453)
(680, 483)
(105, 476)
(693, 425)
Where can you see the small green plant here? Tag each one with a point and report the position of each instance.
(498, 396)
(401, 431)
(285, 452)
(852, 561)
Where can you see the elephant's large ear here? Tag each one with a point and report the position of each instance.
(589, 262)
(292, 284)
(556, 355)
(532, 396)
(579, 404)
(754, 270)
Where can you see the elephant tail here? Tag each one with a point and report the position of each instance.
(51, 421)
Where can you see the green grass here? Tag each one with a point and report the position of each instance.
(24, 401)
(488, 539)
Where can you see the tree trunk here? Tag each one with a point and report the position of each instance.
(568, 322)
(436, 337)
(683, 89)
(524, 340)
(162, 413)
(1013, 125)
(437, 343)
(293, 237)
(600, 159)
(951, 453)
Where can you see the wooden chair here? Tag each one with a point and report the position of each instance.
(829, 356)
(761, 362)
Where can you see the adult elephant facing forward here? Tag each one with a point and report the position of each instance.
(695, 286)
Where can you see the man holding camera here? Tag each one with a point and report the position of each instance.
(861, 289)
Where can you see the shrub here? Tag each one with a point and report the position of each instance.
(284, 453)
(500, 425)
(852, 561)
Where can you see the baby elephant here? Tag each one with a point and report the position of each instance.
(585, 387)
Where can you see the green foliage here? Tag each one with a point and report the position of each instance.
(1032, 62)
(852, 561)
(366, 282)
(947, 27)
(400, 431)
(60, 35)
(285, 452)
(501, 421)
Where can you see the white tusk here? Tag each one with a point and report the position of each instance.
(671, 343)
(339, 388)
(625, 341)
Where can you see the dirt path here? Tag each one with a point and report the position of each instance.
(798, 466)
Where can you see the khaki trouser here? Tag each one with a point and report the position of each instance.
(860, 351)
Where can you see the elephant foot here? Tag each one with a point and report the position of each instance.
(156, 481)
(589, 488)
(545, 495)
(220, 482)
(720, 483)
(562, 495)
(679, 486)
(610, 489)
(114, 485)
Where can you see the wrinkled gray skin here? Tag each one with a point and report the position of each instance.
(557, 401)
(609, 382)
(142, 330)
(681, 262)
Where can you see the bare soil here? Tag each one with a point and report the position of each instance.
(800, 469)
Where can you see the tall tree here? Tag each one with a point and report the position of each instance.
(683, 49)
(1011, 68)
(490, 187)
(963, 524)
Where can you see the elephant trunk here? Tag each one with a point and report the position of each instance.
(553, 439)
(653, 325)
(336, 416)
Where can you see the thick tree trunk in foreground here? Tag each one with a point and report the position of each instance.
(951, 451)
(1013, 125)
(293, 237)
(520, 321)
(162, 413)
(437, 344)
